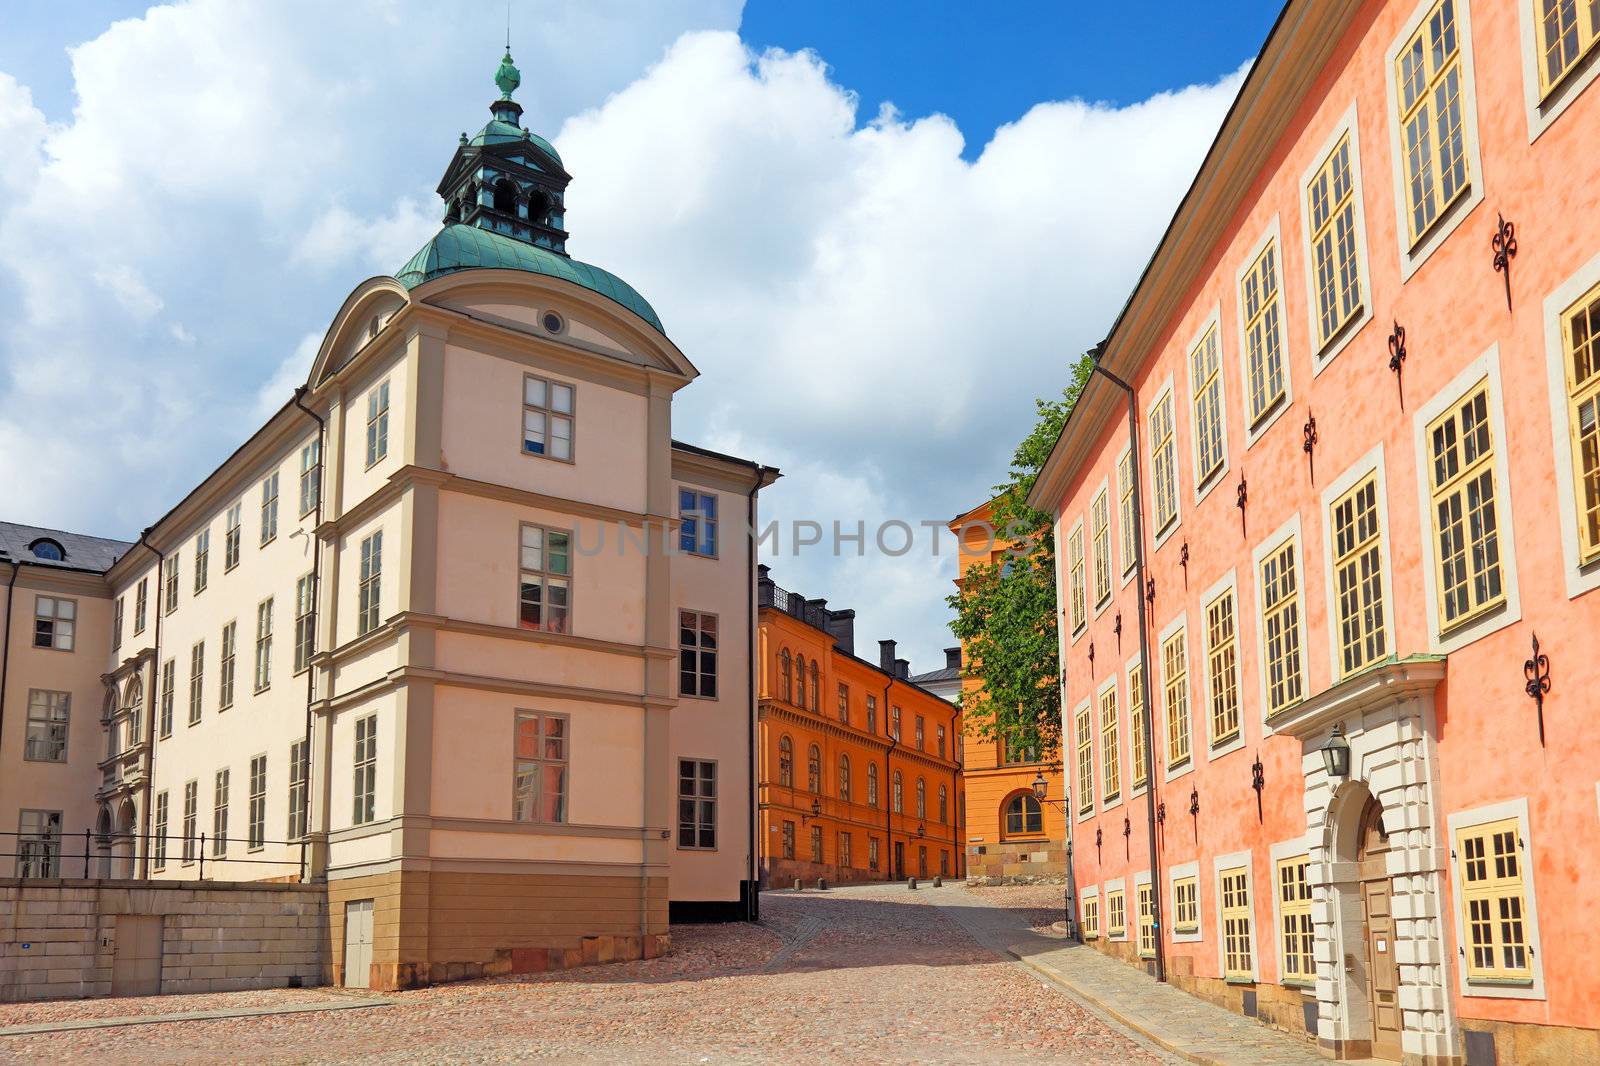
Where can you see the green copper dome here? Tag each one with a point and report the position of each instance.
(498, 132)
(459, 247)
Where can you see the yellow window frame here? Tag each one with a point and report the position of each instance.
(1296, 933)
(1100, 524)
(1453, 476)
(1575, 39)
(1237, 958)
(1358, 577)
(1125, 488)
(1116, 913)
(1110, 761)
(1075, 579)
(1136, 717)
(1336, 273)
(1085, 762)
(1490, 863)
(1280, 627)
(1175, 689)
(1427, 67)
(1090, 918)
(1222, 665)
(1260, 296)
(1580, 342)
(1186, 904)
(1205, 372)
(1164, 462)
(1147, 922)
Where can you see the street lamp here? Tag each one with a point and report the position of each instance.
(1336, 753)
(1041, 787)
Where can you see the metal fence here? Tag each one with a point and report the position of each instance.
(41, 856)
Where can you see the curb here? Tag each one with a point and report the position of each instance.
(189, 1016)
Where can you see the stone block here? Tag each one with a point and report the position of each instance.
(590, 950)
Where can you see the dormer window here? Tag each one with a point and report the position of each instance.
(47, 549)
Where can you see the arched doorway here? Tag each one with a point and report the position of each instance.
(102, 843)
(1377, 921)
(122, 844)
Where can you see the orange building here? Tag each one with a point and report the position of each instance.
(1011, 836)
(859, 767)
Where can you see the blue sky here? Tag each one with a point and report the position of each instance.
(186, 201)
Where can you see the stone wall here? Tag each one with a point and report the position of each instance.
(1023, 863)
(58, 939)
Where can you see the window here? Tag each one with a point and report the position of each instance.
(1490, 863)
(1358, 577)
(1466, 519)
(547, 418)
(230, 542)
(1110, 751)
(1080, 616)
(1262, 305)
(263, 644)
(1100, 524)
(1428, 89)
(54, 620)
(310, 477)
(786, 676)
(697, 804)
(1296, 935)
(299, 775)
(922, 861)
(1085, 738)
(1567, 32)
(844, 851)
(1222, 668)
(800, 678)
(788, 840)
(370, 588)
(230, 642)
(1331, 221)
(1237, 959)
(1147, 922)
(169, 682)
(378, 423)
(39, 844)
(816, 686)
(1139, 739)
(545, 596)
(202, 560)
(922, 798)
(872, 853)
(141, 597)
(785, 761)
(197, 662)
(541, 768)
(191, 815)
(944, 805)
(697, 511)
(1580, 327)
(48, 550)
(364, 790)
(844, 703)
(941, 741)
(1205, 377)
(1280, 627)
(697, 654)
(219, 815)
(1125, 515)
(897, 794)
(872, 714)
(1175, 674)
(844, 777)
(116, 622)
(257, 828)
(1116, 914)
(169, 583)
(49, 714)
(921, 733)
(1186, 905)
(1164, 463)
(305, 623)
(872, 784)
(814, 769)
(158, 846)
(1091, 918)
(816, 843)
(269, 509)
(1023, 815)
(894, 722)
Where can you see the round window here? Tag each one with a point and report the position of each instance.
(553, 322)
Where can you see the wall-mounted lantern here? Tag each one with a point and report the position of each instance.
(1336, 753)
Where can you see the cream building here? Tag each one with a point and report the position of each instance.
(461, 630)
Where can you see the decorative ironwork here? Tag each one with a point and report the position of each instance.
(1397, 360)
(1194, 811)
(1161, 813)
(1091, 658)
(1537, 671)
(1244, 496)
(1117, 629)
(1183, 561)
(1150, 590)
(1127, 834)
(1258, 781)
(1504, 243)
(1097, 840)
(1309, 433)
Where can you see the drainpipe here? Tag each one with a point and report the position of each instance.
(5, 641)
(752, 909)
(1144, 663)
(150, 719)
(316, 585)
(888, 786)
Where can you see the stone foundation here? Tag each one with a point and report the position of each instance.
(1022, 863)
(781, 873)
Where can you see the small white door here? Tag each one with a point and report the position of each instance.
(358, 943)
(136, 962)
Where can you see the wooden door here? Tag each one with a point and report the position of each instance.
(136, 963)
(899, 860)
(1383, 973)
(358, 943)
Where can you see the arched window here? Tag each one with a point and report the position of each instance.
(844, 778)
(785, 761)
(922, 798)
(538, 206)
(872, 784)
(816, 688)
(814, 768)
(800, 679)
(897, 794)
(1023, 816)
(785, 676)
(45, 548)
(505, 196)
(944, 805)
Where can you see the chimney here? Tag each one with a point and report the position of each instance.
(902, 668)
(952, 658)
(841, 626)
(886, 656)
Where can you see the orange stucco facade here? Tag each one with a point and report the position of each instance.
(858, 778)
(1365, 477)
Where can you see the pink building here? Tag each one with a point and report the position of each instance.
(1365, 480)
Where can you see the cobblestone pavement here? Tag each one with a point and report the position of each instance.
(877, 974)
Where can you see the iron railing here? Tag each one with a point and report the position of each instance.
(47, 856)
(792, 603)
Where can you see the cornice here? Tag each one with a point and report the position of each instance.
(1368, 691)
(769, 708)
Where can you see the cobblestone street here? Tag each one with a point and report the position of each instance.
(851, 975)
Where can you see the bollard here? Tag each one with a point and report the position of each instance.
(911, 883)
(822, 884)
(799, 886)
(938, 882)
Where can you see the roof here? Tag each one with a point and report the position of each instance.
(497, 132)
(93, 554)
(462, 247)
(695, 449)
(933, 677)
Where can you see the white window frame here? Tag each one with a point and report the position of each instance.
(1579, 578)
(1116, 884)
(1165, 392)
(1513, 808)
(49, 724)
(1371, 464)
(202, 560)
(1213, 325)
(1324, 354)
(1273, 235)
(377, 424)
(1229, 582)
(310, 476)
(269, 508)
(63, 626)
(1158, 653)
(1169, 913)
(1142, 880)
(1544, 108)
(369, 583)
(1485, 366)
(1233, 861)
(1265, 547)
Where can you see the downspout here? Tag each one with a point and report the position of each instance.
(752, 909)
(5, 642)
(316, 586)
(1144, 663)
(888, 786)
(150, 723)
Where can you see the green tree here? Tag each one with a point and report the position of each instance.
(1006, 615)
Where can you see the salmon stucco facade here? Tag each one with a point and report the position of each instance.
(1358, 506)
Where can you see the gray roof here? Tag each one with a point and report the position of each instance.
(948, 673)
(93, 554)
